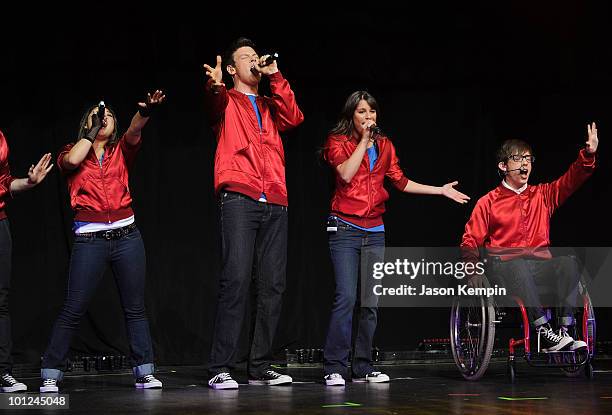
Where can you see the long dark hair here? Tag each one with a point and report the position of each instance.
(345, 126)
(83, 124)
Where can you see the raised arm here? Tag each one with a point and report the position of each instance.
(286, 112)
(349, 167)
(559, 190)
(140, 119)
(215, 93)
(73, 158)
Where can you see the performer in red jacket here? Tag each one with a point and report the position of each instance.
(9, 186)
(512, 222)
(96, 171)
(362, 157)
(250, 185)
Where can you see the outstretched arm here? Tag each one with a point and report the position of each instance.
(447, 190)
(36, 174)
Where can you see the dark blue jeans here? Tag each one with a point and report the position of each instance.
(525, 278)
(90, 257)
(5, 284)
(253, 249)
(347, 246)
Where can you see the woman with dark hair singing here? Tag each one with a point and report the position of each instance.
(361, 156)
(96, 171)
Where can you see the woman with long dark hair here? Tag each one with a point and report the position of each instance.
(361, 157)
(105, 233)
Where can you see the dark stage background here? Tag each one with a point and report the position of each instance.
(452, 82)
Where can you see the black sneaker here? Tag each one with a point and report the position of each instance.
(148, 382)
(10, 384)
(223, 381)
(49, 385)
(373, 377)
(549, 341)
(271, 378)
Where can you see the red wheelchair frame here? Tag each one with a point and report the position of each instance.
(472, 328)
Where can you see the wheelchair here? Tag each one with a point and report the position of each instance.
(473, 321)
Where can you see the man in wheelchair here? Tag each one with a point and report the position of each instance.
(512, 222)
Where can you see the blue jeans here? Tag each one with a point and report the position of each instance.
(523, 276)
(253, 250)
(346, 246)
(5, 284)
(90, 257)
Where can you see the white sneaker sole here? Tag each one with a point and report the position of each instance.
(20, 387)
(378, 379)
(151, 385)
(49, 389)
(578, 345)
(283, 380)
(562, 345)
(224, 385)
(335, 382)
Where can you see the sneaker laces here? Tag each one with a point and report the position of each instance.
(334, 376)
(223, 377)
(148, 378)
(49, 382)
(374, 374)
(273, 374)
(9, 379)
(550, 334)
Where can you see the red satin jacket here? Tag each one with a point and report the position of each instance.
(511, 225)
(5, 175)
(362, 201)
(249, 160)
(101, 193)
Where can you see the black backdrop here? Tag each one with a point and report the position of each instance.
(452, 82)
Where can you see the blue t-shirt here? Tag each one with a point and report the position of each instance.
(373, 156)
(253, 98)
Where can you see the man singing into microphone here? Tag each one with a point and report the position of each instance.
(250, 185)
(512, 222)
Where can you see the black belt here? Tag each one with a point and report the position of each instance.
(111, 233)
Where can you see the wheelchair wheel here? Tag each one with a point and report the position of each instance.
(472, 334)
(578, 370)
(585, 329)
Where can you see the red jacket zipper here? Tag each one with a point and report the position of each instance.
(105, 192)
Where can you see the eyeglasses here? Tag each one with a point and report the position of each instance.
(528, 157)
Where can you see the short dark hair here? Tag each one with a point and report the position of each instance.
(228, 56)
(511, 147)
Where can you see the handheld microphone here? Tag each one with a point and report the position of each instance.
(375, 130)
(270, 59)
(101, 108)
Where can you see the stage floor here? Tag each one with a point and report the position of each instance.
(414, 389)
